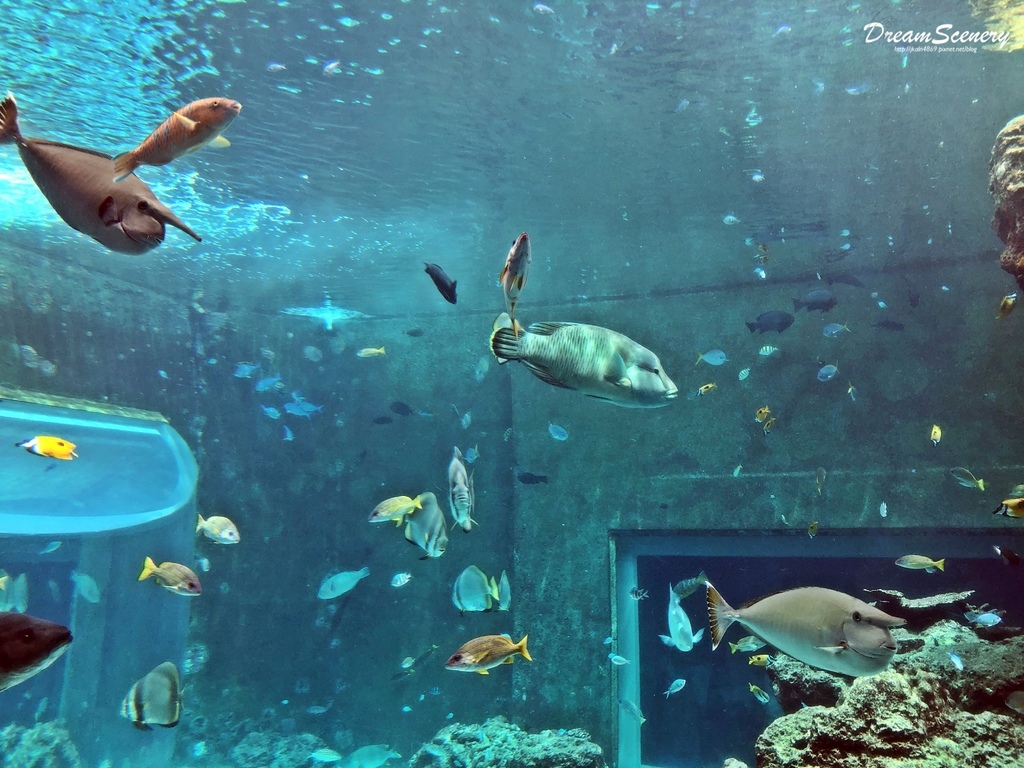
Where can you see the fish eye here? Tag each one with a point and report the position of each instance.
(856, 616)
(28, 635)
(61, 443)
(143, 205)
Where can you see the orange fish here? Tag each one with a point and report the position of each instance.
(1011, 508)
(188, 129)
(486, 652)
(51, 447)
(514, 274)
(707, 388)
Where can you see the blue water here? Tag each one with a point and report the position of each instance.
(658, 154)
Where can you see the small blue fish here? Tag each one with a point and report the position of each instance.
(309, 409)
(832, 330)
(270, 411)
(268, 383)
(957, 661)
(785, 29)
(828, 372)
(844, 233)
(858, 89)
(53, 546)
(713, 357)
(244, 370)
(162, 374)
(729, 220)
(683, 104)
(987, 619)
(558, 432)
(288, 436)
(471, 455)
(295, 409)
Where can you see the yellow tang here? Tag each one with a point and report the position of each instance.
(49, 446)
(936, 434)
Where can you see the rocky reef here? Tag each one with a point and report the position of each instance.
(267, 749)
(44, 745)
(922, 712)
(1006, 185)
(499, 744)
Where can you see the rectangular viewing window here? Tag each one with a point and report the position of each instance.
(715, 716)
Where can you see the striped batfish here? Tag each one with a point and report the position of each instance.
(593, 360)
(821, 627)
(460, 492)
(155, 699)
(188, 129)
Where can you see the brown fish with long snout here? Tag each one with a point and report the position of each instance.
(79, 183)
(821, 627)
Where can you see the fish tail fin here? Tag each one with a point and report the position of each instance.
(797, 305)
(124, 165)
(521, 647)
(9, 120)
(504, 342)
(981, 485)
(733, 647)
(1002, 509)
(700, 357)
(148, 569)
(492, 588)
(752, 327)
(719, 622)
(199, 525)
(941, 564)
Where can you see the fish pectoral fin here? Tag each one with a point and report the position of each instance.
(189, 123)
(833, 649)
(617, 375)
(219, 142)
(544, 374)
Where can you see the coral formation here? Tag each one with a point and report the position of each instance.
(499, 744)
(267, 749)
(1006, 185)
(922, 711)
(45, 745)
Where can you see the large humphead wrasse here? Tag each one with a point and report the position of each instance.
(588, 358)
(821, 627)
(125, 217)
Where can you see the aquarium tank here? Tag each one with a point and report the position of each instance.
(657, 359)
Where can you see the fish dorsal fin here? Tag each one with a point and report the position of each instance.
(757, 600)
(543, 374)
(546, 329)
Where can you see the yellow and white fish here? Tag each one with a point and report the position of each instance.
(936, 435)
(590, 359)
(174, 577)
(219, 529)
(920, 562)
(50, 447)
(966, 478)
(194, 126)
(396, 508)
(371, 352)
(1011, 508)
(486, 652)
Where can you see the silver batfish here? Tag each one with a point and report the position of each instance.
(460, 492)
(79, 184)
(593, 360)
(821, 627)
(425, 527)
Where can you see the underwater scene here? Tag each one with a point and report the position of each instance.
(518, 384)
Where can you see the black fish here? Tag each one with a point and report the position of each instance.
(528, 478)
(818, 299)
(845, 278)
(913, 295)
(833, 256)
(444, 283)
(28, 645)
(1009, 556)
(400, 408)
(414, 332)
(889, 325)
(776, 320)
(382, 420)
(79, 185)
